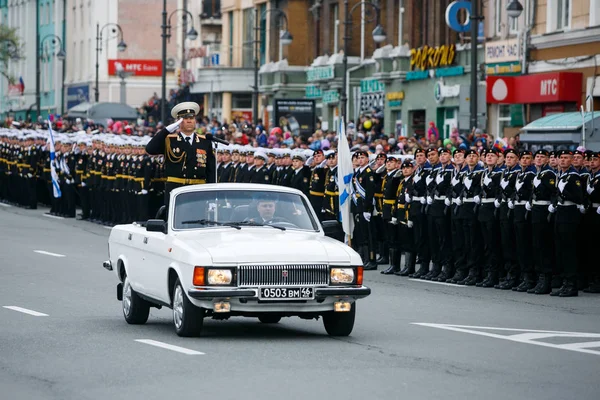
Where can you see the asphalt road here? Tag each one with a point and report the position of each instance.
(479, 343)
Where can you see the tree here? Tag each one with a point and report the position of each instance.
(9, 49)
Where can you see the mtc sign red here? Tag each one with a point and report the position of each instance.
(138, 67)
(551, 87)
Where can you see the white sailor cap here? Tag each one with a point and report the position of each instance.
(187, 108)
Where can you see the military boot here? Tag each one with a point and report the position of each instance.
(544, 285)
(409, 265)
(423, 270)
(371, 265)
(570, 289)
(434, 273)
(394, 260)
(527, 284)
(383, 254)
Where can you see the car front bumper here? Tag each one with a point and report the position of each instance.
(321, 293)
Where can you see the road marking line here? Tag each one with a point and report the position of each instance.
(52, 216)
(528, 337)
(107, 227)
(48, 253)
(437, 283)
(178, 349)
(5, 205)
(26, 311)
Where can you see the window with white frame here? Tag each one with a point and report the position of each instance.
(503, 119)
(498, 18)
(558, 15)
(594, 12)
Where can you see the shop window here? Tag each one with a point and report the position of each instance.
(241, 100)
(503, 119)
(417, 123)
(498, 18)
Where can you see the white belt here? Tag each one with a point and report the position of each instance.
(541, 202)
(471, 200)
(520, 203)
(567, 203)
(595, 204)
(486, 201)
(418, 199)
(439, 197)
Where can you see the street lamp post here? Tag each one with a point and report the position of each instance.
(166, 36)
(378, 37)
(285, 39)
(55, 41)
(474, 18)
(116, 29)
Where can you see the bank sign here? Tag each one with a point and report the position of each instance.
(138, 67)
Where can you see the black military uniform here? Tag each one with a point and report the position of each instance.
(189, 160)
(593, 191)
(416, 197)
(542, 232)
(568, 208)
(405, 225)
(261, 174)
(330, 209)
(317, 186)
(390, 182)
(362, 203)
(300, 177)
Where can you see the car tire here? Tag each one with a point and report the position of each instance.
(269, 319)
(340, 323)
(135, 309)
(187, 318)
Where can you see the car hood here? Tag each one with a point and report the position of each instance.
(264, 245)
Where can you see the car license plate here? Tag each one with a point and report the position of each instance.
(287, 293)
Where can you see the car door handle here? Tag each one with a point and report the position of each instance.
(146, 240)
(130, 236)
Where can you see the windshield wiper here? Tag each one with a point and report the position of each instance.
(252, 223)
(212, 222)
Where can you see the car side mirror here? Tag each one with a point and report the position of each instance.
(156, 225)
(333, 229)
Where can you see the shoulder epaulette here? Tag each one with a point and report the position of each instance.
(172, 135)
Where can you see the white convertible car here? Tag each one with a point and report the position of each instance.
(230, 249)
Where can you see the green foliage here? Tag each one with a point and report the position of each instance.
(10, 48)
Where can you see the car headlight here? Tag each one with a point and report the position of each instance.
(342, 276)
(219, 277)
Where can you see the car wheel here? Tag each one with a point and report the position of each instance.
(340, 323)
(187, 318)
(135, 309)
(269, 319)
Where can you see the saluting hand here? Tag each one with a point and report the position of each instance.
(173, 127)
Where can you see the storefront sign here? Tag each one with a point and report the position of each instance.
(244, 114)
(552, 87)
(452, 12)
(502, 51)
(371, 85)
(435, 73)
(331, 96)
(394, 99)
(197, 52)
(138, 67)
(77, 94)
(509, 68)
(441, 91)
(432, 57)
(312, 92)
(320, 73)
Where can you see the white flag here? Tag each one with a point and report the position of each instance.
(344, 178)
(55, 185)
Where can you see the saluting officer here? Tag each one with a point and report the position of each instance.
(189, 157)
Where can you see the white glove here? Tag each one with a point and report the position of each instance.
(144, 191)
(551, 209)
(83, 184)
(589, 189)
(598, 210)
(581, 208)
(429, 200)
(29, 176)
(423, 200)
(410, 224)
(173, 127)
(528, 206)
(511, 205)
(407, 198)
(496, 203)
(367, 216)
(447, 202)
(477, 200)
(323, 211)
(457, 201)
(394, 221)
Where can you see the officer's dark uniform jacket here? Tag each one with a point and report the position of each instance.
(490, 189)
(227, 172)
(364, 182)
(507, 186)
(456, 185)
(261, 175)
(439, 188)
(286, 176)
(402, 208)
(418, 190)
(184, 163)
(249, 173)
(389, 188)
(593, 191)
(331, 203)
(471, 186)
(569, 196)
(317, 186)
(240, 172)
(523, 191)
(378, 185)
(543, 193)
(300, 179)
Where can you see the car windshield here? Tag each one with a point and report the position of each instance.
(211, 208)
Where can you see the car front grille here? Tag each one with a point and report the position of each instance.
(283, 275)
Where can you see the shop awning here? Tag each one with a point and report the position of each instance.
(551, 87)
(562, 122)
(101, 112)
